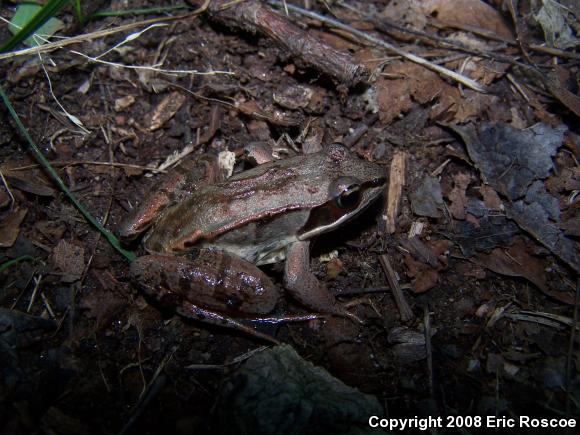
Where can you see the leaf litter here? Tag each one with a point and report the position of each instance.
(481, 232)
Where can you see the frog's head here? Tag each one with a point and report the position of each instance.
(353, 186)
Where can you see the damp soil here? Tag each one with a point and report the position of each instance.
(110, 358)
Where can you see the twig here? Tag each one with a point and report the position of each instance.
(153, 68)
(396, 184)
(254, 16)
(402, 304)
(409, 56)
(153, 389)
(7, 186)
(34, 292)
(88, 162)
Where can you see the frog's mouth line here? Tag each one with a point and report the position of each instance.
(328, 216)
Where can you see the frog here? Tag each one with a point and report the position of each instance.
(206, 239)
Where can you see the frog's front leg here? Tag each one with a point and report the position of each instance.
(304, 286)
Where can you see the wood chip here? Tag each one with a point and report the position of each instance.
(396, 184)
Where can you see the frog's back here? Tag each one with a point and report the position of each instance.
(263, 206)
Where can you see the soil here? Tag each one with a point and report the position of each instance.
(94, 355)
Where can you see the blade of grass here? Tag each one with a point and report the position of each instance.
(10, 263)
(48, 11)
(79, 11)
(49, 169)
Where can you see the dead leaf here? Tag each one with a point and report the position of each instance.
(557, 21)
(10, 227)
(69, 258)
(405, 82)
(164, 111)
(464, 13)
(31, 180)
(515, 261)
(427, 199)
(334, 268)
(424, 277)
(491, 198)
(457, 195)
(124, 103)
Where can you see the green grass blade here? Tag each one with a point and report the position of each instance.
(108, 235)
(12, 262)
(79, 11)
(49, 10)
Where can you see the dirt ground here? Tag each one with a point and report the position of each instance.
(489, 279)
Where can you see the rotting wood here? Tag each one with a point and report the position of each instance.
(396, 184)
(256, 17)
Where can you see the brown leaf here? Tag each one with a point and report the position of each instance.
(29, 180)
(405, 80)
(463, 13)
(164, 111)
(457, 195)
(69, 258)
(10, 227)
(424, 277)
(491, 198)
(334, 268)
(517, 262)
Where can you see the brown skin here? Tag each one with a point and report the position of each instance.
(259, 216)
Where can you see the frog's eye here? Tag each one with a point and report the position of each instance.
(349, 197)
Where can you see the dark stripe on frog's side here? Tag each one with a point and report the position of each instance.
(192, 240)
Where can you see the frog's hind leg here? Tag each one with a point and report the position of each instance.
(191, 311)
(274, 320)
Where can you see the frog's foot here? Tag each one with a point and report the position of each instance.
(275, 320)
(191, 311)
(305, 287)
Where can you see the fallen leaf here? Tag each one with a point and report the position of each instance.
(463, 13)
(516, 261)
(334, 268)
(164, 111)
(403, 83)
(424, 277)
(10, 227)
(427, 199)
(69, 258)
(555, 20)
(457, 195)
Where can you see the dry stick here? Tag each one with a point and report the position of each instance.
(254, 16)
(402, 305)
(90, 163)
(486, 34)
(409, 56)
(396, 184)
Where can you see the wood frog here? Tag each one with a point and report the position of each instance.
(205, 241)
